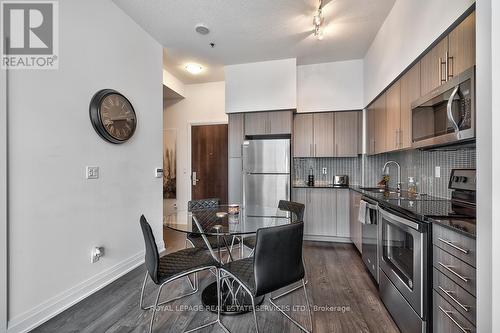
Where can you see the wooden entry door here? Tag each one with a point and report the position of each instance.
(209, 162)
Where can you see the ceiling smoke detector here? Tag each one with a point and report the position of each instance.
(201, 29)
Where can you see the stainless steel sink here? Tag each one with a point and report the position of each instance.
(377, 190)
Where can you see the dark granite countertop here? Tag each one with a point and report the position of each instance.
(423, 208)
(323, 186)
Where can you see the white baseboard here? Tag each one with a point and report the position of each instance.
(333, 239)
(52, 307)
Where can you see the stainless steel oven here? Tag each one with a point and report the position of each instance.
(403, 258)
(447, 114)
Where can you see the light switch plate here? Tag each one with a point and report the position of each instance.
(92, 172)
(158, 172)
(437, 172)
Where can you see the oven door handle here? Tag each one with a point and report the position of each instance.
(450, 113)
(400, 220)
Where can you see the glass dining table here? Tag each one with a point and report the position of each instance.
(225, 222)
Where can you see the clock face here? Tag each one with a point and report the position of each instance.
(112, 116)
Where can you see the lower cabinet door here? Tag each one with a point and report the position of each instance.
(446, 319)
(322, 213)
(342, 213)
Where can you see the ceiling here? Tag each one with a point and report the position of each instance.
(255, 30)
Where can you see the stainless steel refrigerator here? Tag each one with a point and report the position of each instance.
(266, 176)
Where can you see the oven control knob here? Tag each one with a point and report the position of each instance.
(456, 179)
(464, 179)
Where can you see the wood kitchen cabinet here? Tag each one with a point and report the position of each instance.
(354, 225)
(376, 126)
(410, 91)
(346, 133)
(452, 55)
(326, 213)
(462, 46)
(393, 114)
(270, 122)
(432, 67)
(303, 135)
(326, 134)
(380, 124)
(236, 134)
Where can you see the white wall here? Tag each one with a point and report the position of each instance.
(332, 86)
(261, 86)
(173, 83)
(55, 215)
(203, 104)
(408, 30)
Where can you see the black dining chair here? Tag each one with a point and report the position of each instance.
(173, 266)
(296, 211)
(277, 263)
(195, 239)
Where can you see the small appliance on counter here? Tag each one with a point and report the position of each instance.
(340, 180)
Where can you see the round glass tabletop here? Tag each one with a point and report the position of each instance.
(221, 220)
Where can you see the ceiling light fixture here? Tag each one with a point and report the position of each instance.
(194, 68)
(318, 21)
(202, 29)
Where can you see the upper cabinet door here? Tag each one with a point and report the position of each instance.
(236, 135)
(280, 122)
(346, 133)
(432, 67)
(256, 123)
(410, 91)
(324, 134)
(462, 46)
(370, 129)
(393, 109)
(303, 135)
(380, 124)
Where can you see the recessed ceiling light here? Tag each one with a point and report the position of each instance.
(201, 29)
(194, 68)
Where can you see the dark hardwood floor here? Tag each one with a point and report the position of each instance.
(343, 296)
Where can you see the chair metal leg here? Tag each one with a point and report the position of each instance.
(308, 306)
(254, 313)
(155, 308)
(194, 287)
(272, 299)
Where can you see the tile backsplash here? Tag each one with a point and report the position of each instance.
(367, 170)
(350, 166)
(421, 165)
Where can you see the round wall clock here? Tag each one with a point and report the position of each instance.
(112, 116)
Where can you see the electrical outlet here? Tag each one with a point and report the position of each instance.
(92, 172)
(437, 172)
(96, 254)
(325, 171)
(158, 172)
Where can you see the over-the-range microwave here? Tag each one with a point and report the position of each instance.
(446, 115)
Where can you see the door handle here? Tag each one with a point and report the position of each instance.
(448, 314)
(194, 179)
(449, 269)
(450, 113)
(449, 294)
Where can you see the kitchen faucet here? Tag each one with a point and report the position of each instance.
(399, 172)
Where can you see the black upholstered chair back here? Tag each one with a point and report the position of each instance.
(297, 209)
(152, 257)
(203, 203)
(278, 257)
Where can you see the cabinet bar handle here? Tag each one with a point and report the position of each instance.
(441, 63)
(448, 268)
(453, 245)
(446, 67)
(448, 293)
(448, 314)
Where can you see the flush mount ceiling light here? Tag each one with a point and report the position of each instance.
(318, 21)
(194, 68)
